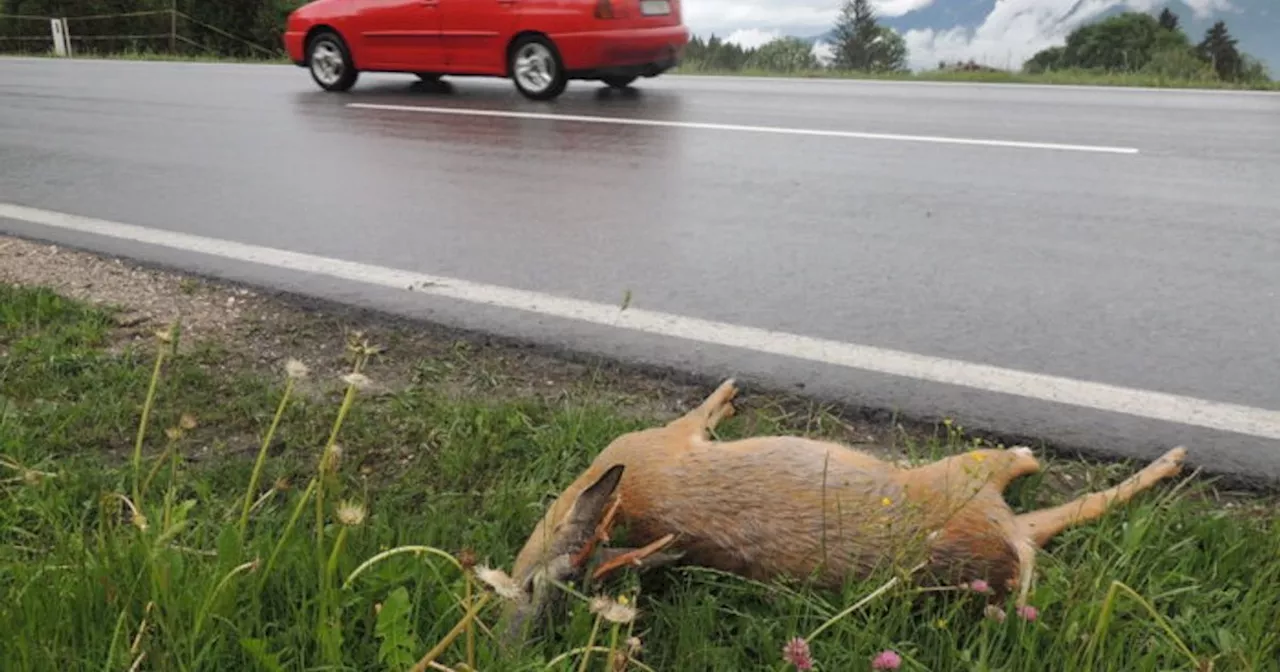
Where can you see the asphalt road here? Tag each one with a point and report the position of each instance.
(806, 207)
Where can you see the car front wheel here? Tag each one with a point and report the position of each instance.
(536, 67)
(330, 63)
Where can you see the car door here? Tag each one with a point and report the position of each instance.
(399, 35)
(475, 33)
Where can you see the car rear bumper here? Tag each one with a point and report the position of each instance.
(634, 51)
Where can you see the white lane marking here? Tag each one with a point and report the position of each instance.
(631, 121)
(1185, 410)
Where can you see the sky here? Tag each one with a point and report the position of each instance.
(1000, 33)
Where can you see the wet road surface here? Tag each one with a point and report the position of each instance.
(1145, 253)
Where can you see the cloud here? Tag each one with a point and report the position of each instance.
(751, 38)
(811, 16)
(1012, 32)
(1016, 29)
(1205, 8)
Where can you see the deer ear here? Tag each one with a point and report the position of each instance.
(590, 506)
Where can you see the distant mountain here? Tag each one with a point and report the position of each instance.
(1004, 33)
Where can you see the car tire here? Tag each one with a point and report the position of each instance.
(536, 68)
(618, 82)
(428, 77)
(329, 61)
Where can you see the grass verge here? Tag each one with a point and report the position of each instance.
(167, 505)
(1060, 77)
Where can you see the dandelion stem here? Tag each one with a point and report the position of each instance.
(859, 604)
(453, 634)
(155, 470)
(471, 628)
(591, 643)
(613, 643)
(569, 654)
(262, 457)
(142, 422)
(208, 601)
(293, 521)
(325, 464)
(1105, 618)
(397, 551)
(332, 567)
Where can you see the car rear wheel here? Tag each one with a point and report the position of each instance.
(330, 62)
(618, 82)
(536, 67)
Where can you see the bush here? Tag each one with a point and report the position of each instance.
(1178, 63)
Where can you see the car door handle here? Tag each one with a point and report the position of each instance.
(429, 3)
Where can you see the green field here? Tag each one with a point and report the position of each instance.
(122, 554)
(1062, 77)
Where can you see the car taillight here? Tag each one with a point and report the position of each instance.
(604, 9)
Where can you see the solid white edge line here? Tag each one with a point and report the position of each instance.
(631, 121)
(1173, 408)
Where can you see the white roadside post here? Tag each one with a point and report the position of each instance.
(66, 36)
(59, 40)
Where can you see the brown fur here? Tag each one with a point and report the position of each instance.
(784, 506)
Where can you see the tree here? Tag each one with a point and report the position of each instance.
(1124, 42)
(785, 54)
(888, 51)
(1168, 20)
(854, 32)
(713, 54)
(1219, 49)
(1046, 60)
(861, 43)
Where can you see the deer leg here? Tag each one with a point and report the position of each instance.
(1026, 570)
(603, 532)
(1041, 526)
(977, 469)
(648, 557)
(715, 408)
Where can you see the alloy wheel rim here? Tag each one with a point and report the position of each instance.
(326, 63)
(535, 67)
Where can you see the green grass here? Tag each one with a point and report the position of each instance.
(1061, 77)
(1172, 581)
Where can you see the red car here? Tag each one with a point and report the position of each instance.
(540, 44)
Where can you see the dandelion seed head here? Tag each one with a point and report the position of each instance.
(505, 586)
(350, 514)
(296, 369)
(357, 380)
(331, 458)
(613, 611)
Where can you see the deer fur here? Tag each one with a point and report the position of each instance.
(790, 507)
